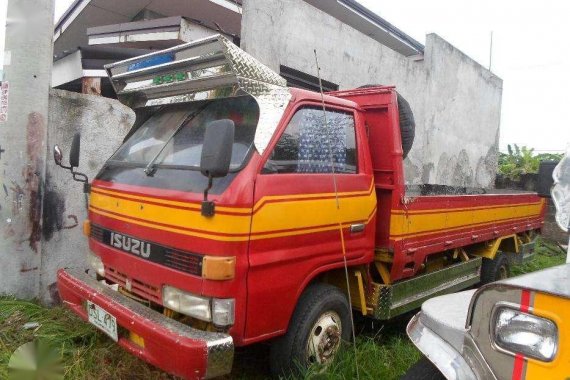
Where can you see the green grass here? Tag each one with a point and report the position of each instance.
(383, 350)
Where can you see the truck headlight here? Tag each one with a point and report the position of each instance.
(223, 311)
(521, 333)
(186, 303)
(96, 263)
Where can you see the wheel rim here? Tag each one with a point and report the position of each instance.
(503, 274)
(324, 339)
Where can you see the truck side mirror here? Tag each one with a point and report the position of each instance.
(74, 151)
(217, 148)
(73, 161)
(216, 156)
(545, 180)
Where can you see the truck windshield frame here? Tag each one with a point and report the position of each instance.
(172, 137)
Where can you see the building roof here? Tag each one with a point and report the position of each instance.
(71, 29)
(367, 22)
(222, 15)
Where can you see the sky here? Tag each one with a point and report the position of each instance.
(529, 52)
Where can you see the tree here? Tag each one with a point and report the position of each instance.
(522, 161)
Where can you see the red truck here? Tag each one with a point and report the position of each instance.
(238, 211)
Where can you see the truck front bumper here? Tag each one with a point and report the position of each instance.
(170, 345)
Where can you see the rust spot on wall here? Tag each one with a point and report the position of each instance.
(35, 132)
(17, 198)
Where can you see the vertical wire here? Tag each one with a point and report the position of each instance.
(331, 159)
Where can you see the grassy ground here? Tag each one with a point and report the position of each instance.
(382, 349)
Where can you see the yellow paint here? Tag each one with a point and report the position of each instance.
(382, 269)
(489, 250)
(556, 309)
(361, 295)
(167, 202)
(417, 224)
(273, 216)
(136, 339)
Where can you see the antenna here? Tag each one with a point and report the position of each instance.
(491, 51)
(331, 159)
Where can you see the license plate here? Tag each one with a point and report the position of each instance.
(103, 320)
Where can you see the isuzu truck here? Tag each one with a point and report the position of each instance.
(238, 210)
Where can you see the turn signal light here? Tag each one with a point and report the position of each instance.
(218, 268)
(87, 227)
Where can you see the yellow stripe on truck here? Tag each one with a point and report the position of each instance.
(273, 216)
(556, 309)
(417, 224)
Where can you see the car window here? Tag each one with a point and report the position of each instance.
(309, 145)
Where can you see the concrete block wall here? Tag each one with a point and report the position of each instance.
(103, 123)
(456, 101)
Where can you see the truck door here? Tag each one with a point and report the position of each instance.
(295, 226)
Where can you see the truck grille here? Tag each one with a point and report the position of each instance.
(169, 257)
(141, 289)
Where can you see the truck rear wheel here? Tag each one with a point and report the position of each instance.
(495, 269)
(320, 323)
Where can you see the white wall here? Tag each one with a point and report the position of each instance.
(456, 102)
(103, 124)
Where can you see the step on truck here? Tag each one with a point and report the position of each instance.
(238, 211)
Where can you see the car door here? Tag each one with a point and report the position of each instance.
(313, 181)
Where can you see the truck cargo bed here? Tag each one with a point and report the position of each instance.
(414, 222)
(421, 225)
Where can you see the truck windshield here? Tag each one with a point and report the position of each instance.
(175, 134)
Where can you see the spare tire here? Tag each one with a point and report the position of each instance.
(407, 122)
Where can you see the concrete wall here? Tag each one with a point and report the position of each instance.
(23, 123)
(456, 102)
(103, 123)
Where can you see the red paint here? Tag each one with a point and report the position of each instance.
(518, 367)
(178, 355)
(525, 300)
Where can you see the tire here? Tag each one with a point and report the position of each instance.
(319, 308)
(423, 370)
(407, 122)
(495, 269)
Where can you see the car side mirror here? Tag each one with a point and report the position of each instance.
(74, 151)
(216, 156)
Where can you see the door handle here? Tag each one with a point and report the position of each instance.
(358, 227)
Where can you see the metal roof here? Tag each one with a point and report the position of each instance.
(222, 15)
(367, 22)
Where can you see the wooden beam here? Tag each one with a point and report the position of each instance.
(91, 86)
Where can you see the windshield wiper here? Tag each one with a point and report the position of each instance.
(151, 167)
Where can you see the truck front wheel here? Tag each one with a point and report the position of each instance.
(320, 322)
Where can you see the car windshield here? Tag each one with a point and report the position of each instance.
(175, 133)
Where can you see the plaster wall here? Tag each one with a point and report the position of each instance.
(23, 120)
(456, 101)
(103, 123)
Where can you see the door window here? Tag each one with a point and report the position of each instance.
(309, 145)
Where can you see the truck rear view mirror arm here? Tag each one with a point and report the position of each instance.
(216, 156)
(73, 161)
